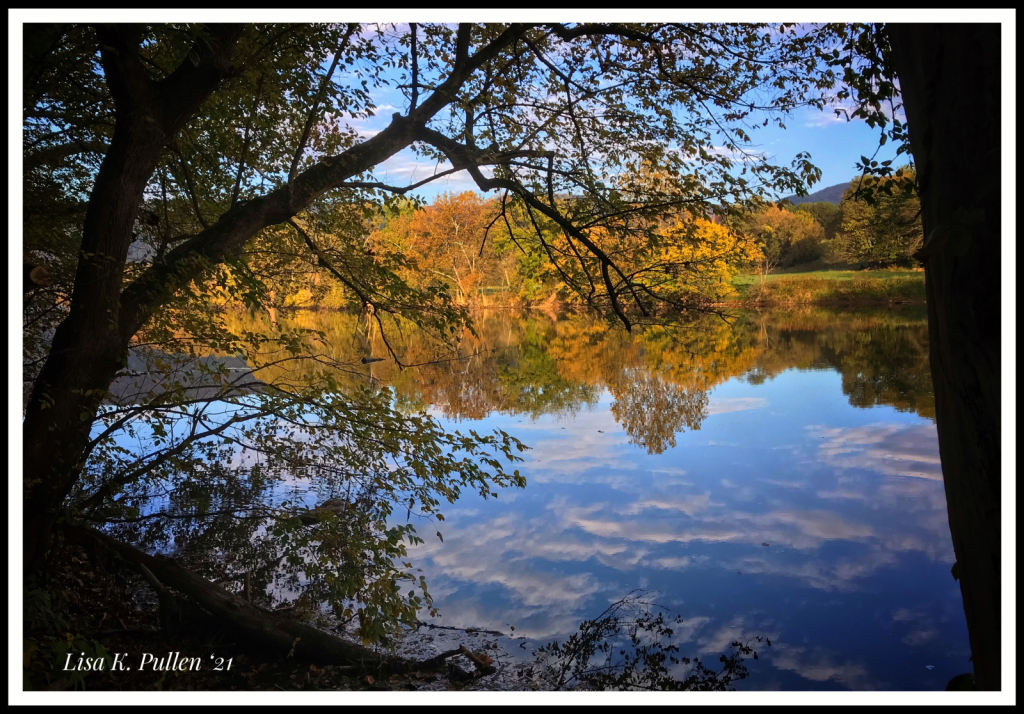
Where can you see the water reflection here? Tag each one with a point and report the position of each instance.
(524, 365)
(777, 476)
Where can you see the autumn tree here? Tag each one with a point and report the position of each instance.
(828, 215)
(446, 240)
(783, 238)
(702, 257)
(885, 232)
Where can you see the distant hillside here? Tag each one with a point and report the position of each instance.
(832, 194)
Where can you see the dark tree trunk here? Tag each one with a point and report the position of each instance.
(86, 350)
(89, 346)
(950, 79)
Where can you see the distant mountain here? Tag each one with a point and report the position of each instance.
(832, 194)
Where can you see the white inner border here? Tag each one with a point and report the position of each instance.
(1007, 17)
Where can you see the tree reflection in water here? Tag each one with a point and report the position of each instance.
(526, 364)
(629, 647)
(531, 366)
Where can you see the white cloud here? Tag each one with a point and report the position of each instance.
(819, 665)
(690, 505)
(405, 168)
(891, 449)
(817, 119)
(722, 405)
(671, 563)
(543, 565)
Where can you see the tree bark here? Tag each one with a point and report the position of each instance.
(950, 81)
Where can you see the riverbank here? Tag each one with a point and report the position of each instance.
(829, 288)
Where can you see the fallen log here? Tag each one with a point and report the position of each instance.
(177, 615)
(255, 625)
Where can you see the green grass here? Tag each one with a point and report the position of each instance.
(831, 286)
(796, 273)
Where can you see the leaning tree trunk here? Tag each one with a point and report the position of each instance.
(950, 80)
(90, 346)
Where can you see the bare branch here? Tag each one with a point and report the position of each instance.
(192, 193)
(324, 83)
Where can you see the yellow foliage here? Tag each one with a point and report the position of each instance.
(705, 256)
(302, 298)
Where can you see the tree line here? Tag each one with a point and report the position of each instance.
(877, 224)
(484, 253)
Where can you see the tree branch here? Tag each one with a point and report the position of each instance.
(415, 67)
(226, 237)
(462, 156)
(188, 86)
(324, 83)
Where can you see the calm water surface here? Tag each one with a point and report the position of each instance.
(777, 475)
(786, 485)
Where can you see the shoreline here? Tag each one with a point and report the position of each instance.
(820, 302)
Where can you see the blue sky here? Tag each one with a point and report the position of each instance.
(834, 143)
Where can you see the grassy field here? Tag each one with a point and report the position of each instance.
(812, 271)
(831, 286)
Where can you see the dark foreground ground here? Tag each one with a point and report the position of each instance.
(102, 610)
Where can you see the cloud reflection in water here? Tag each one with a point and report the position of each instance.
(849, 507)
